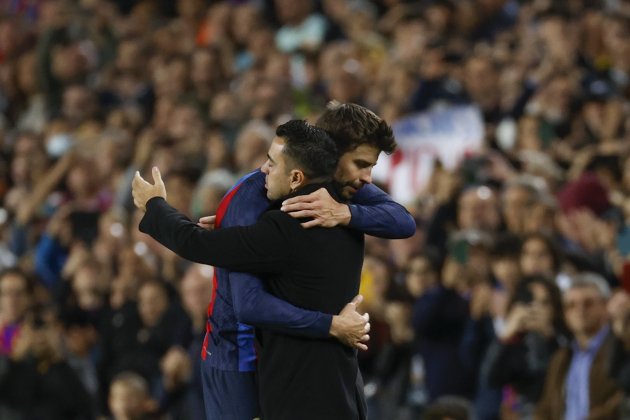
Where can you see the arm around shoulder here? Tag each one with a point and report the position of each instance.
(375, 213)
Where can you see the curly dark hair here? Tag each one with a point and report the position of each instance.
(351, 125)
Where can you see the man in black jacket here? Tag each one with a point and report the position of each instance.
(317, 269)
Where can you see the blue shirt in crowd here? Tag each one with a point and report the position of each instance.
(577, 399)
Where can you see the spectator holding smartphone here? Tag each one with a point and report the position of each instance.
(518, 359)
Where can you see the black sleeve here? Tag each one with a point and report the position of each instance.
(68, 394)
(522, 364)
(260, 248)
(496, 368)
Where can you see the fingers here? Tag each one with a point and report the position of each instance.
(366, 316)
(137, 180)
(357, 300)
(361, 343)
(298, 201)
(306, 198)
(301, 214)
(208, 220)
(157, 177)
(368, 327)
(291, 207)
(311, 223)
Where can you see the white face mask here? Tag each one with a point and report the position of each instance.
(58, 144)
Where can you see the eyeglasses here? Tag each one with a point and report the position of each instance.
(585, 303)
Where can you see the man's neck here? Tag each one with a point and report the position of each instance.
(584, 339)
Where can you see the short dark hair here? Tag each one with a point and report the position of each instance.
(73, 316)
(351, 125)
(506, 245)
(553, 249)
(310, 148)
(451, 407)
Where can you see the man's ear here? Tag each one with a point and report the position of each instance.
(296, 179)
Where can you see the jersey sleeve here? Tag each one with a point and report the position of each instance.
(253, 305)
(375, 213)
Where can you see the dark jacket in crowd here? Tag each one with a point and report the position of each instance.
(37, 389)
(521, 363)
(605, 394)
(439, 319)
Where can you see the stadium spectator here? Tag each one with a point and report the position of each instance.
(590, 390)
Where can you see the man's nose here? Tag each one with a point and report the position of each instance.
(366, 177)
(265, 168)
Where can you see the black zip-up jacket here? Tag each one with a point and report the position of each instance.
(317, 269)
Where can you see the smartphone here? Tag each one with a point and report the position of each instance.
(523, 295)
(459, 250)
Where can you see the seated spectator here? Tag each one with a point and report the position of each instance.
(439, 318)
(489, 299)
(517, 199)
(79, 340)
(578, 384)
(518, 359)
(36, 382)
(138, 336)
(195, 291)
(174, 390)
(395, 390)
(129, 398)
(539, 256)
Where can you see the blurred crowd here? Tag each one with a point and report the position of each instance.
(510, 302)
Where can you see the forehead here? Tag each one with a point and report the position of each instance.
(538, 289)
(582, 292)
(477, 195)
(535, 243)
(152, 290)
(365, 152)
(419, 263)
(516, 192)
(275, 150)
(12, 281)
(123, 387)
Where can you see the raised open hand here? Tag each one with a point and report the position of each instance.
(142, 191)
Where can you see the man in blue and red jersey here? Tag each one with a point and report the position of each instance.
(240, 299)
